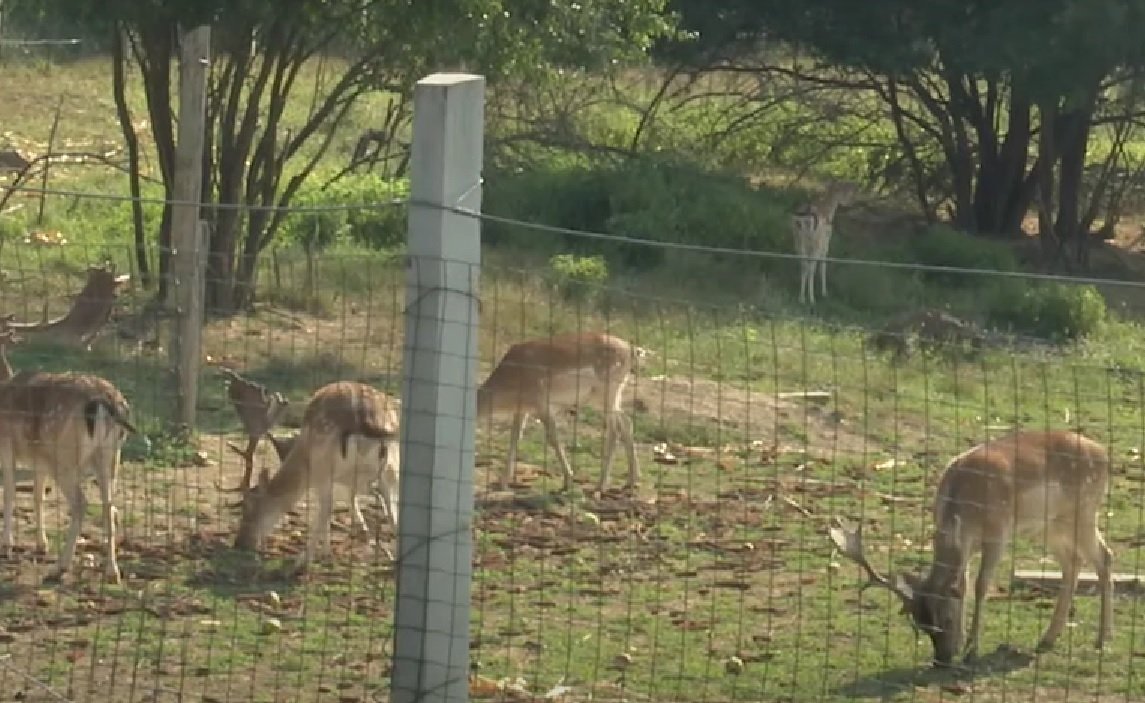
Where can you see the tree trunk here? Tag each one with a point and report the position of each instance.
(155, 55)
(1073, 136)
(131, 140)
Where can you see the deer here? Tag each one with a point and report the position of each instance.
(282, 447)
(812, 226)
(349, 437)
(61, 425)
(90, 311)
(259, 410)
(538, 376)
(1042, 484)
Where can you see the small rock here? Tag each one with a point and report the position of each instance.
(201, 459)
(271, 626)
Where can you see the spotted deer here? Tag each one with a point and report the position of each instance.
(61, 425)
(1042, 485)
(349, 437)
(812, 226)
(539, 376)
(90, 311)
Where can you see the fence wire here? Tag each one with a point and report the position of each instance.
(712, 579)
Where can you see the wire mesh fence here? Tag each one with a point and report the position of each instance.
(754, 427)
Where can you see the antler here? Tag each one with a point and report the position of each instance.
(258, 410)
(848, 539)
(282, 445)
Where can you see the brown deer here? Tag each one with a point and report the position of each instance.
(349, 437)
(539, 376)
(90, 311)
(61, 425)
(812, 226)
(282, 447)
(259, 411)
(1044, 485)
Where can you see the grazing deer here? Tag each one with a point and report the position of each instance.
(539, 376)
(60, 425)
(1044, 485)
(349, 437)
(812, 226)
(90, 311)
(282, 447)
(259, 411)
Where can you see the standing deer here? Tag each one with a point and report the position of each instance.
(538, 376)
(1045, 485)
(61, 425)
(349, 437)
(259, 411)
(812, 227)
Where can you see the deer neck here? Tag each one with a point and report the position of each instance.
(827, 207)
(285, 488)
(948, 568)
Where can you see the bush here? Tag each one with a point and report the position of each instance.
(650, 199)
(578, 277)
(943, 246)
(1053, 311)
(381, 225)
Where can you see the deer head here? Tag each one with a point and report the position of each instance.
(934, 604)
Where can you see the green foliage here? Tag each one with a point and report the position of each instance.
(379, 224)
(940, 245)
(578, 277)
(649, 199)
(1053, 311)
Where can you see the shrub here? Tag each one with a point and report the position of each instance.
(379, 225)
(650, 199)
(943, 246)
(578, 277)
(560, 194)
(1053, 311)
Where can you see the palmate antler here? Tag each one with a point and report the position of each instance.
(848, 538)
(259, 410)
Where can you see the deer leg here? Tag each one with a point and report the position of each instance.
(360, 482)
(105, 477)
(38, 486)
(991, 555)
(390, 489)
(823, 277)
(8, 458)
(624, 423)
(71, 488)
(1098, 553)
(1070, 561)
(552, 437)
(318, 541)
(618, 429)
(515, 433)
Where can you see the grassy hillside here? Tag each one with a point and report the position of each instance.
(721, 553)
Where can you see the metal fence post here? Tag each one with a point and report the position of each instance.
(435, 546)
